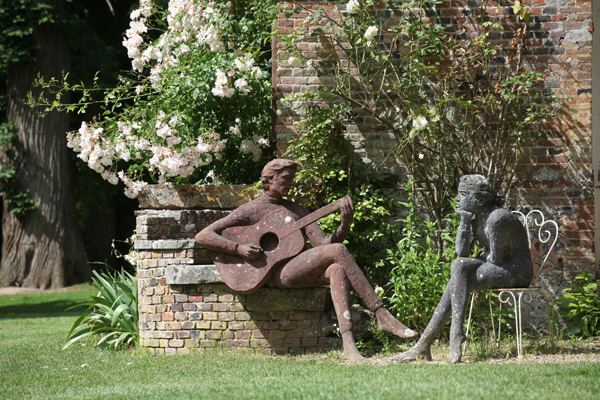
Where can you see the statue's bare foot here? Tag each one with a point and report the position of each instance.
(351, 352)
(353, 356)
(456, 349)
(413, 354)
(387, 323)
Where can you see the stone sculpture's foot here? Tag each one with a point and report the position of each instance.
(456, 349)
(351, 352)
(387, 323)
(413, 354)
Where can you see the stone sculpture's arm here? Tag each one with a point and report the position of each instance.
(463, 236)
(496, 230)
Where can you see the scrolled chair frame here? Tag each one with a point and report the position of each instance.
(518, 295)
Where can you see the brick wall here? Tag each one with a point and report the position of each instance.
(555, 173)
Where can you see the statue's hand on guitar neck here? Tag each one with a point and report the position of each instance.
(249, 251)
(347, 213)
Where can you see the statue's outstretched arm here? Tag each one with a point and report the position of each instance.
(318, 238)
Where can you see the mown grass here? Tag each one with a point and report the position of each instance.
(32, 365)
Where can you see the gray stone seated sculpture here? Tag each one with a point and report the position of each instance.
(328, 262)
(506, 262)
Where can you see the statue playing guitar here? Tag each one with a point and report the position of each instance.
(263, 242)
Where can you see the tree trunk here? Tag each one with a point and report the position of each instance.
(44, 248)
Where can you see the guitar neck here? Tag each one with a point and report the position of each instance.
(312, 217)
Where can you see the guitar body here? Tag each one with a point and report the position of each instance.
(247, 276)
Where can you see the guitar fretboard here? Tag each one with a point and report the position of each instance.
(312, 217)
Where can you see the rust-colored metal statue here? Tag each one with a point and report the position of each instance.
(263, 242)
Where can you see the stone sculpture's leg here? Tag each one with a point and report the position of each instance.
(423, 347)
(461, 269)
(340, 294)
(453, 301)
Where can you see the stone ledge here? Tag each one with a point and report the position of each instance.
(166, 245)
(174, 197)
(192, 274)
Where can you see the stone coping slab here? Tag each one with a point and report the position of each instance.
(172, 197)
(185, 274)
(166, 245)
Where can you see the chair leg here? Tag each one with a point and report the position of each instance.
(517, 317)
(492, 318)
(519, 327)
(469, 319)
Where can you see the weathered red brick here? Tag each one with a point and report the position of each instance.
(270, 325)
(260, 334)
(170, 298)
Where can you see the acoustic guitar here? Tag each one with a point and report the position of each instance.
(280, 238)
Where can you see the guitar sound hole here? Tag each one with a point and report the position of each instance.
(269, 241)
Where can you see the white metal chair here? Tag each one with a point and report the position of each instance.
(547, 232)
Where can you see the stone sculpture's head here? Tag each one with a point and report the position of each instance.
(475, 193)
(278, 176)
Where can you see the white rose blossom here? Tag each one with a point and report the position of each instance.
(420, 122)
(294, 61)
(353, 6)
(371, 33)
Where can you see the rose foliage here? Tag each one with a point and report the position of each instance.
(196, 105)
(456, 97)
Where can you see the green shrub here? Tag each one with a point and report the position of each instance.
(419, 269)
(112, 315)
(332, 169)
(582, 306)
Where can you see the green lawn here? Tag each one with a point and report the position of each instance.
(32, 365)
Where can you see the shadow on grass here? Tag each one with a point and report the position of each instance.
(55, 308)
(41, 305)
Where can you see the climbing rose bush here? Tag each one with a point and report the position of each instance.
(196, 105)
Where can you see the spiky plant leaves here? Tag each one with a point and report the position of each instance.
(112, 315)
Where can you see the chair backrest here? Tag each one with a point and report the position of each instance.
(535, 220)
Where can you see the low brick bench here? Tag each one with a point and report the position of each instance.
(183, 303)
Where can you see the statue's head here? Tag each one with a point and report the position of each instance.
(475, 193)
(278, 175)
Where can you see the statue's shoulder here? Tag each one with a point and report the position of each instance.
(249, 206)
(502, 216)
